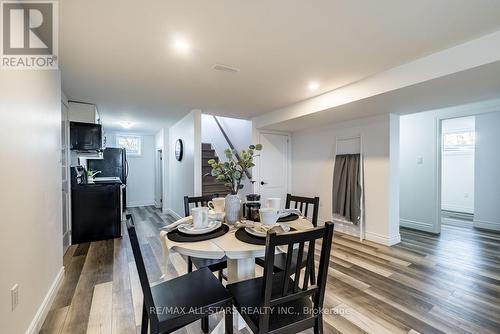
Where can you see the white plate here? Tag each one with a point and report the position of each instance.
(189, 229)
(262, 231)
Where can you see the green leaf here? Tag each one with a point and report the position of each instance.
(237, 175)
(252, 147)
(221, 177)
(211, 161)
(258, 147)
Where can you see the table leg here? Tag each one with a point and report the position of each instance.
(240, 270)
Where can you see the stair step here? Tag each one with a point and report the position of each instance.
(206, 146)
(209, 155)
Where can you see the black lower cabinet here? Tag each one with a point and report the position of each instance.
(95, 212)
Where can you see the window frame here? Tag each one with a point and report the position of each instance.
(126, 135)
(459, 148)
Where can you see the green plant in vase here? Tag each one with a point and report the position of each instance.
(233, 171)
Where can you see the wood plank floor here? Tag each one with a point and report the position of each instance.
(426, 284)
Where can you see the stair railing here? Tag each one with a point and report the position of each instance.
(246, 171)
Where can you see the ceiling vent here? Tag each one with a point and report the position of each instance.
(225, 68)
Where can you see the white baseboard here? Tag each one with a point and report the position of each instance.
(137, 204)
(171, 212)
(417, 225)
(43, 310)
(382, 239)
(457, 208)
(487, 225)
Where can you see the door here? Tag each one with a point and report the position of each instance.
(65, 175)
(273, 166)
(159, 179)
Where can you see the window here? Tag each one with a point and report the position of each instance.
(129, 142)
(458, 141)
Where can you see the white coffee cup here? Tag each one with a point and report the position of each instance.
(274, 203)
(217, 204)
(269, 216)
(200, 217)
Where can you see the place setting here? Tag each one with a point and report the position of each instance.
(260, 221)
(204, 223)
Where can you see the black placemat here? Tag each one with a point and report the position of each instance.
(288, 218)
(244, 236)
(177, 236)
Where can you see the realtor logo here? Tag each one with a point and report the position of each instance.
(29, 35)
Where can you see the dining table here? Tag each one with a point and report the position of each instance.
(240, 255)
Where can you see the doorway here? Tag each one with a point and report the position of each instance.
(457, 171)
(159, 179)
(273, 179)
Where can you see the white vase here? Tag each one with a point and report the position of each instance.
(232, 208)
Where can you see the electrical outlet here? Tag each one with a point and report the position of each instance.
(14, 294)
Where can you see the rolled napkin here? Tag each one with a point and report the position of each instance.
(286, 212)
(183, 221)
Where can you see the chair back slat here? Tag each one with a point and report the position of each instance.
(197, 202)
(316, 291)
(300, 253)
(141, 268)
(288, 265)
(302, 203)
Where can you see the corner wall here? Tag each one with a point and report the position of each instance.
(31, 249)
(313, 152)
(185, 175)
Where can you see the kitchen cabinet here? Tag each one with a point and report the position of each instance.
(96, 212)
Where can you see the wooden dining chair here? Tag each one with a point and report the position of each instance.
(173, 304)
(302, 204)
(215, 265)
(286, 305)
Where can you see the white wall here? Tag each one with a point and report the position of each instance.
(30, 195)
(312, 172)
(487, 171)
(239, 132)
(141, 176)
(185, 175)
(418, 171)
(457, 171)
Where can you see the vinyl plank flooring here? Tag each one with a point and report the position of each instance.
(427, 284)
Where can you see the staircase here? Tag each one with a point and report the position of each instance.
(209, 185)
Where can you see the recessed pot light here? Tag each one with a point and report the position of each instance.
(313, 85)
(126, 124)
(181, 45)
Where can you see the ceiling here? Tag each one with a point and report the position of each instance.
(118, 54)
(479, 84)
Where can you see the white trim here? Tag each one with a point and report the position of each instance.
(417, 225)
(487, 225)
(457, 208)
(43, 310)
(382, 239)
(172, 213)
(139, 203)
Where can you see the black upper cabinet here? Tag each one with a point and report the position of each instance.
(85, 136)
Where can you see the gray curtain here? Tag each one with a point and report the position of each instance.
(347, 187)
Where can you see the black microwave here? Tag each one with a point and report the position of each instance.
(85, 136)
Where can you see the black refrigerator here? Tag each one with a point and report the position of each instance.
(113, 164)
